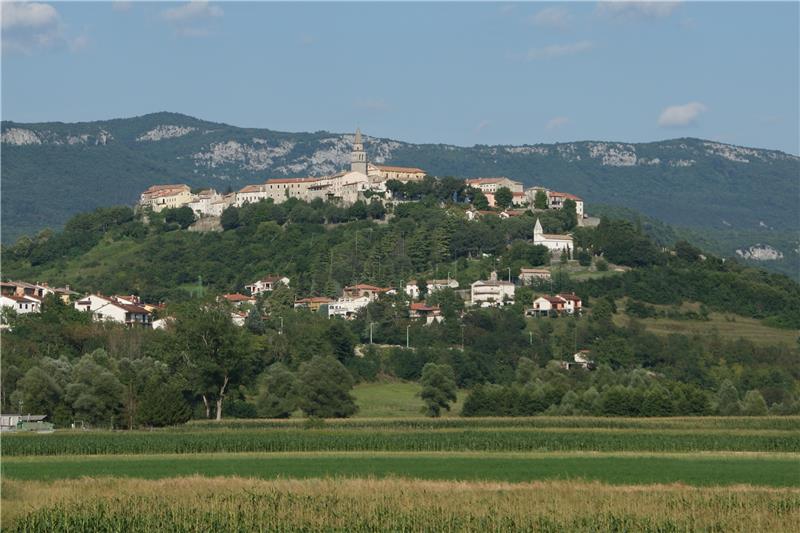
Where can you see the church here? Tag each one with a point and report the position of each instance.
(555, 243)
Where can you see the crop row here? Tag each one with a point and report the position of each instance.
(191, 505)
(299, 440)
(685, 423)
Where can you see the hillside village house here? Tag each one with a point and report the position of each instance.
(528, 275)
(37, 290)
(489, 186)
(492, 292)
(203, 202)
(363, 290)
(554, 243)
(115, 309)
(412, 287)
(567, 303)
(266, 284)
(237, 300)
(21, 304)
(312, 303)
(347, 308)
(159, 197)
(555, 200)
(581, 359)
(421, 310)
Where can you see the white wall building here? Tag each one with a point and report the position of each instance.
(554, 243)
(266, 284)
(21, 304)
(492, 292)
(159, 197)
(347, 307)
(109, 308)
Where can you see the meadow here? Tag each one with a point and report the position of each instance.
(411, 473)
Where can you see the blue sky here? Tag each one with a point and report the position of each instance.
(459, 73)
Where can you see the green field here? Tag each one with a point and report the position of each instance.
(726, 325)
(410, 473)
(706, 469)
(398, 399)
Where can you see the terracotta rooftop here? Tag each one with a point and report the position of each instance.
(389, 168)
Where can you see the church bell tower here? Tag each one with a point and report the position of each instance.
(358, 158)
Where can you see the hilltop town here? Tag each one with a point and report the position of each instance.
(363, 182)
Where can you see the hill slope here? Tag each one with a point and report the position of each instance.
(70, 168)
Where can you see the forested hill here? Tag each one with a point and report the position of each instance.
(53, 170)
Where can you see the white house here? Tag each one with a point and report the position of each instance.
(266, 284)
(555, 200)
(547, 305)
(347, 307)
(115, 309)
(21, 304)
(412, 286)
(581, 359)
(572, 303)
(204, 201)
(492, 292)
(554, 243)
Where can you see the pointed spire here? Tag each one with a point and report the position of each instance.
(537, 229)
(358, 136)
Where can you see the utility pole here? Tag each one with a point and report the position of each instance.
(462, 337)
(408, 338)
(280, 331)
(370, 331)
(509, 274)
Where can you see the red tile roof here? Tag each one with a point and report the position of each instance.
(236, 297)
(566, 196)
(252, 188)
(421, 306)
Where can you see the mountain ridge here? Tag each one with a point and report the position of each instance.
(686, 182)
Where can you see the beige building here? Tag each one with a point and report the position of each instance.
(489, 186)
(492, 292)
(404, 174)
(159, 197)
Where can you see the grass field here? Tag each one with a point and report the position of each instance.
(727, 325)
(410, 473)
(629, 469)
(395, 400)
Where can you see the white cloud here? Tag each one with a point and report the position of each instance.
(559, 50)
(556, 122)
(552, 17)
(191, 19)
(28, 27)
(626, 9)
(197, 9)
(681, 115)
(28, 15)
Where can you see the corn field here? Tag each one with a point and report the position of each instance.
(484, 439)
(236, 504)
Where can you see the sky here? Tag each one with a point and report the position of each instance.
(455, 73)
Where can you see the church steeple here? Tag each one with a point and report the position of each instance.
(358, 158)
(537, 229)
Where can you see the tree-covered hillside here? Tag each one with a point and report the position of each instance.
(69, 168)
(61, 363)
